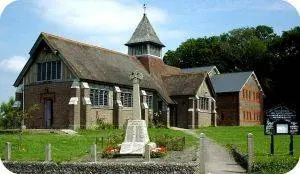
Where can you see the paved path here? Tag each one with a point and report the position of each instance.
(217, 159)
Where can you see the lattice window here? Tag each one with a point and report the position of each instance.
(149, 100)
(127, 100)
(49, 70)
(99, 97)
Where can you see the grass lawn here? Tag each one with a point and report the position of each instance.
(72, 148)
(237, 136)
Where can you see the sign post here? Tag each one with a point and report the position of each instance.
(291, 145)
(281, 120)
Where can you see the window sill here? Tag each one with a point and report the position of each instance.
(127, 108)
(101, 107)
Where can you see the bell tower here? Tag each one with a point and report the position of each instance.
(144, 41)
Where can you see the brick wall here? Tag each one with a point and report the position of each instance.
(244, 108)
(251, 104)
(59, 93)
(228, 108)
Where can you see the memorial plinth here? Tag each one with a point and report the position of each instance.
(136, 138)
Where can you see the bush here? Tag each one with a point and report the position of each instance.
(115, 140)
(274, 164)
(172, 143)
(8, 115)
(100, 124)
(158, 120)
(266, 163)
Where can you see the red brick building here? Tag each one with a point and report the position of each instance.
(239, 99)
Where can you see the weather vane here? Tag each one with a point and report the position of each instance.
(145, 8)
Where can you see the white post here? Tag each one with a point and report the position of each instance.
(147, 152)
(7, 151)
(48, 153)
(250, 152)
(201, 155)
(94, 153)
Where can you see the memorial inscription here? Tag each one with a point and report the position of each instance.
(136, 137)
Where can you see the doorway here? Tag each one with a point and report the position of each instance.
(48, 113)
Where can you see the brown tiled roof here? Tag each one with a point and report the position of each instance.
(144, 33)
(94, 63)
(184, 83)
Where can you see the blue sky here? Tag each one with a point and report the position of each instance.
(110, 23)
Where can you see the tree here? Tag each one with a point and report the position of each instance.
(7, 114)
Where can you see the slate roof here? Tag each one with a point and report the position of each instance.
(184, 83)
(230, 82)
(144, 33)
(199, 69)
(94, 63)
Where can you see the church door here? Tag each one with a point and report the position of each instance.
(48, 113)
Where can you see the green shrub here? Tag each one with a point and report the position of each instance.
(115, 140)
(158, 120)
(172, 143)
(266, 163)
(100, 124)
(274, 164)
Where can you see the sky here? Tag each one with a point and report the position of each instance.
(110, 24)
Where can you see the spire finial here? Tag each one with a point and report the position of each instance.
(144, 6)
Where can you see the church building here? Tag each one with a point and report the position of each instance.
(78, 85)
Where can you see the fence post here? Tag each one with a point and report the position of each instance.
(48, 153)
(201, 155)
(94, 153)
(250, 151)
(147, 152)
(7, 151)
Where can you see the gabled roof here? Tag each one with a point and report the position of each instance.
(92, 63)
(208, 69)
(184, 83)
(232, 82)
(144, 33)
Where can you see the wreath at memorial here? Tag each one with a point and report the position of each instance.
(159, 152)
(111, 152)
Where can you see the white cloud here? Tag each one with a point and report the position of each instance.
(13, 64)
(98, 16)
(295, 3)
(3, 4)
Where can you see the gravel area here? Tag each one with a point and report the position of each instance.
(185, 156)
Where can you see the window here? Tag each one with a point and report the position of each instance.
(49, 70)
(246, 94)
(99, 97)
(126, 98)
(204, 103)
(149, 100)
(244, 114)
(249, 95)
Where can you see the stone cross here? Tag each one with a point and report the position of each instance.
(136, 77)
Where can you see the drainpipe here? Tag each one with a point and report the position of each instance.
(23, 104)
